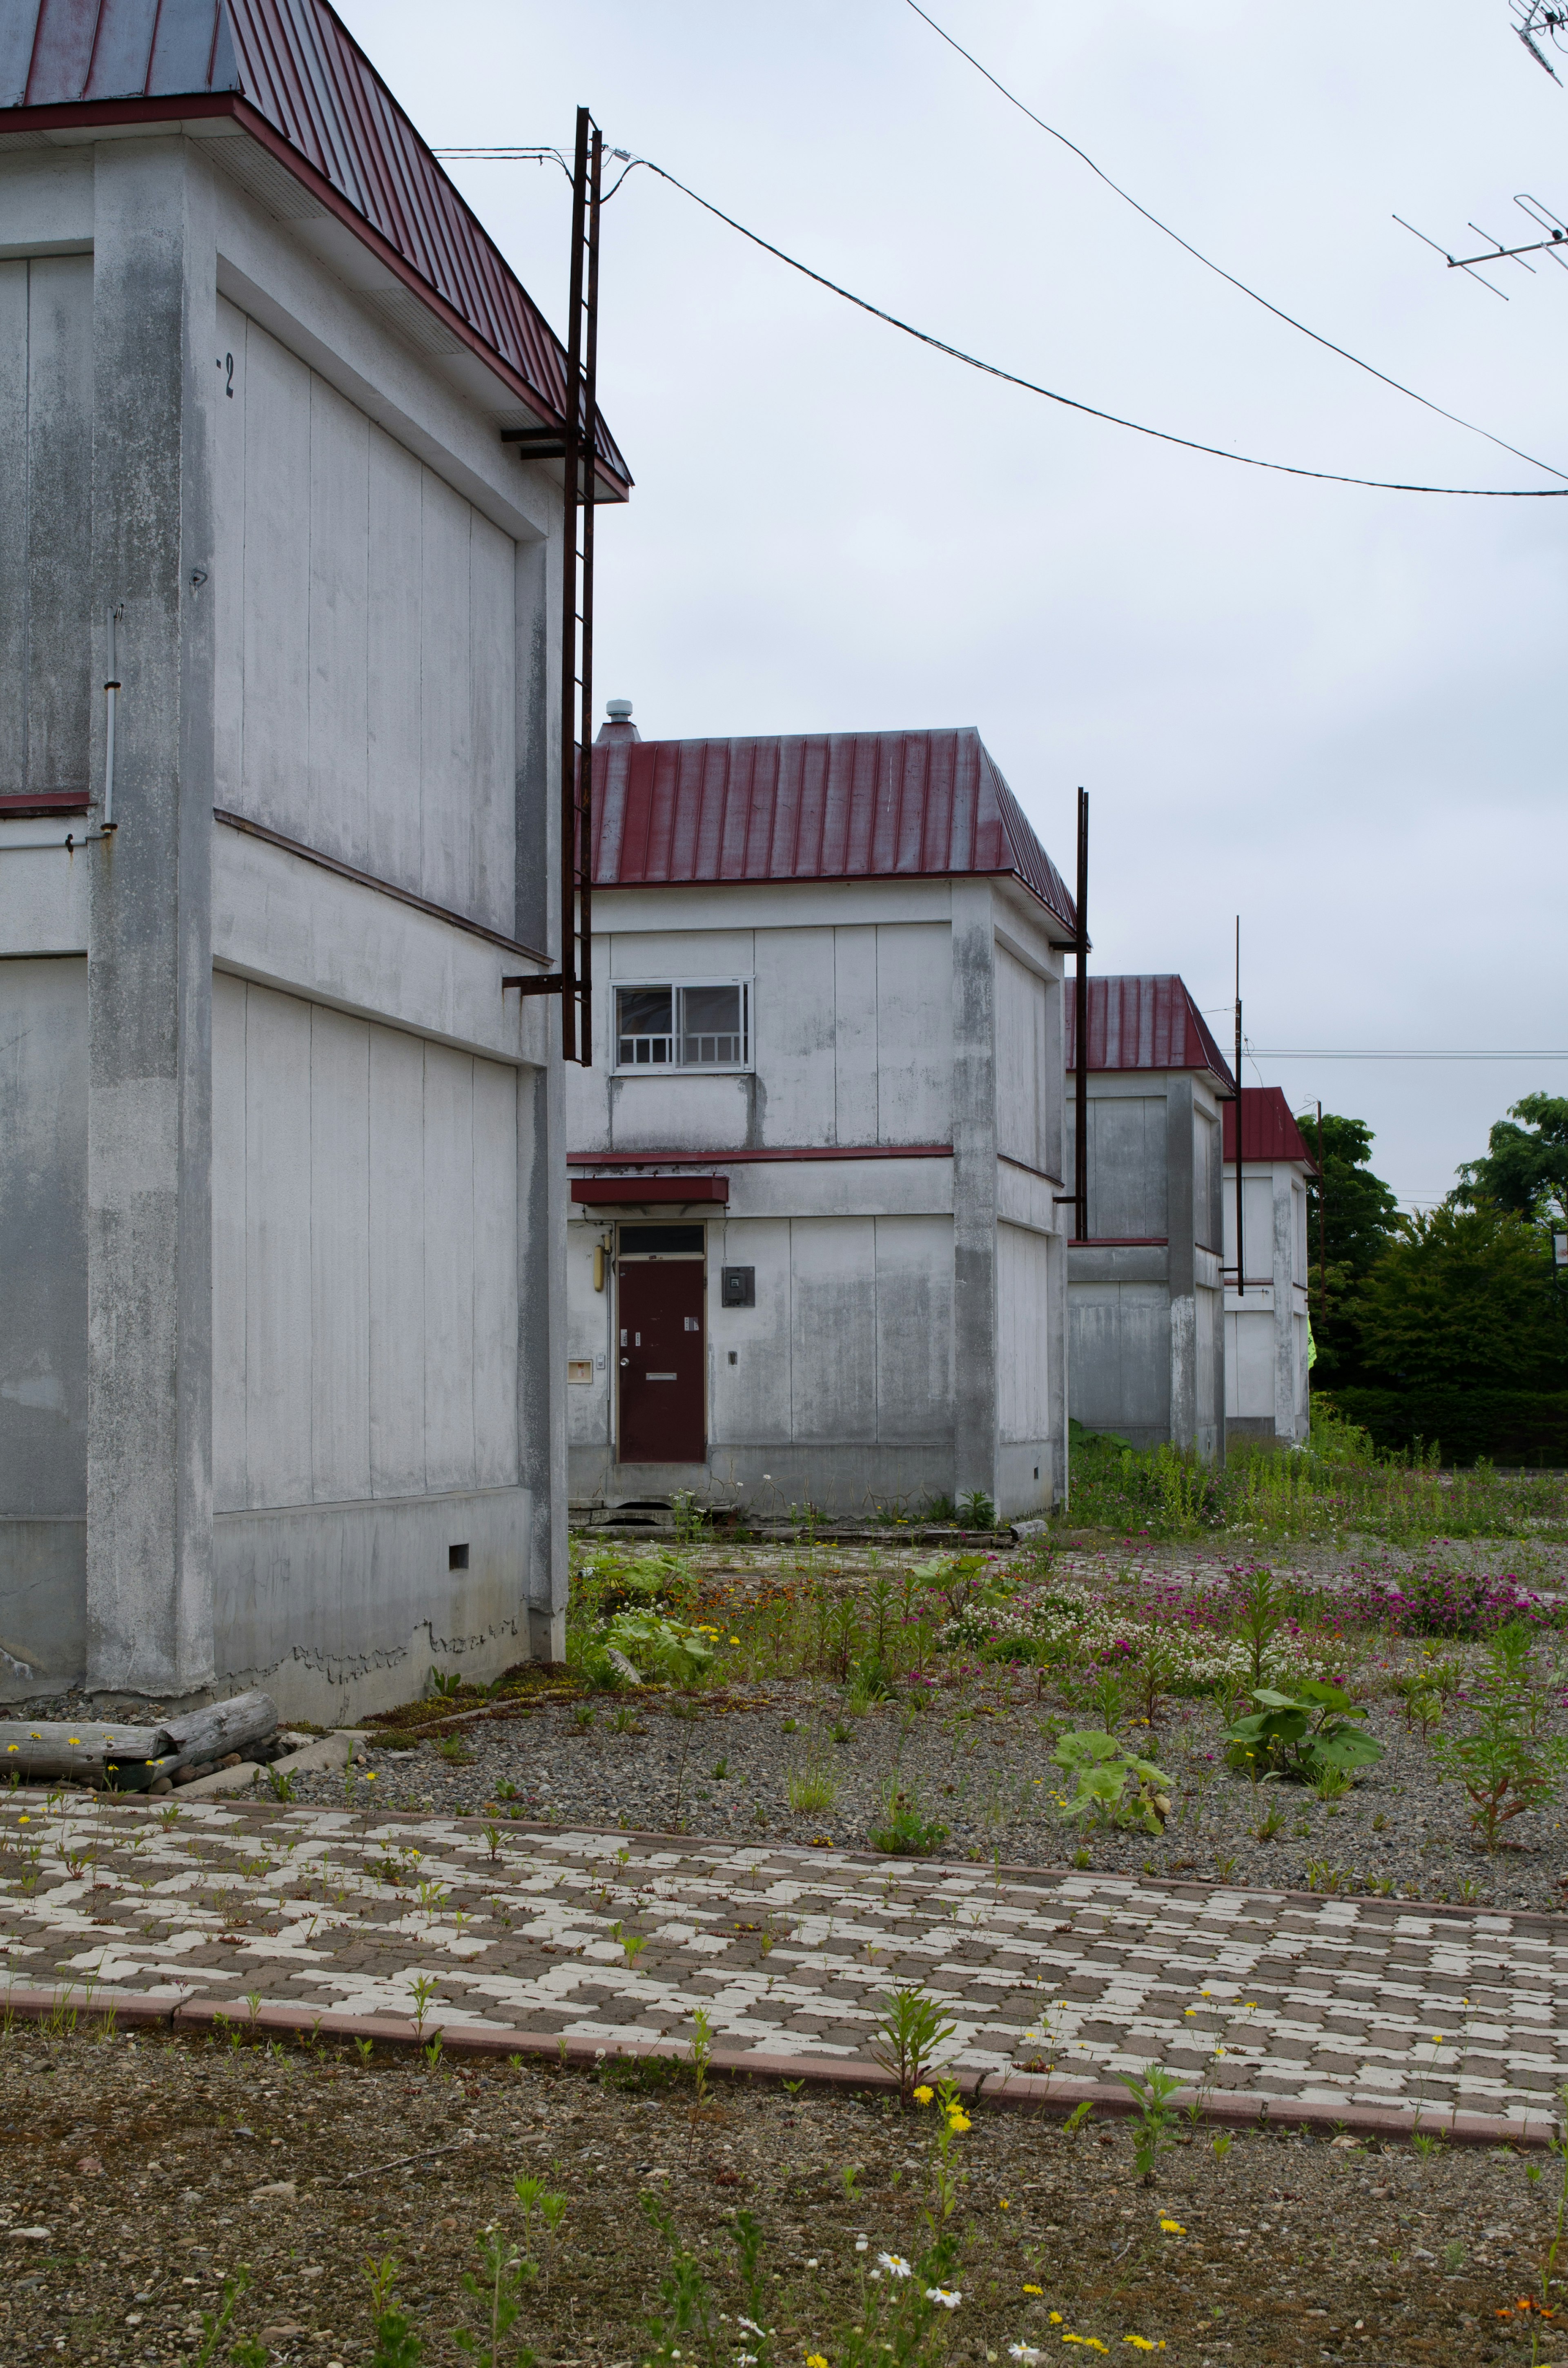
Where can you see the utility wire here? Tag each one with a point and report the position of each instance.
(1210, 264)
(1029, 385)
(1070, 403)
(1339, 1053)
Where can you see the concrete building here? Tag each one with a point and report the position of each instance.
(816, 1252)
(1266, 1324)
(1148, 1341)
(281, 1172)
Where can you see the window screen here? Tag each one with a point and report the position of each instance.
(712, 1026)
(644, 1026)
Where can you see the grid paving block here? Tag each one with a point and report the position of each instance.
(1067, 1975)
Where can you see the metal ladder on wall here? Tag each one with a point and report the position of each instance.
(577, 605)
(573, 982)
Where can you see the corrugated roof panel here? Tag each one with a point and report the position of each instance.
(1144, 1022)
(817, 806)
(1269, 1129)
(295, 64)
(122, 49)
(61, 55)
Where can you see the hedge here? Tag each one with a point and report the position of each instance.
(1526, 1426)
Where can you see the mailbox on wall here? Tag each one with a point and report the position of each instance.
(738, 1288)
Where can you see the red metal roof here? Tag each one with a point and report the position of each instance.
(1144, 1023)
(836, 806)
(290, 73)
(1268, 1130)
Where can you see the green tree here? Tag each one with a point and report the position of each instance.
(1464, 1296)
(1360, 1218)
(1526, 1167)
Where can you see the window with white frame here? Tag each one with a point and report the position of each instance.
(701, 1024)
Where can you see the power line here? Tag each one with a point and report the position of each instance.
(1340, 1053)
(1029, 385)
(1218, 269)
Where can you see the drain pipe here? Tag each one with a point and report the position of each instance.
(111, 688)
(15, 844)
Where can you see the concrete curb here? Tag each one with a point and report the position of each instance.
(322, 1751)
(1048, 2097)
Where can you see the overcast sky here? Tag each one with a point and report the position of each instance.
(1335, 711)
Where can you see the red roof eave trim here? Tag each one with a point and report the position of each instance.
(80, 113)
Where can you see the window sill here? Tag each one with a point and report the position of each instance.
(658, 1072)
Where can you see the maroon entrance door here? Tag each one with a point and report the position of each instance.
(662, 1368)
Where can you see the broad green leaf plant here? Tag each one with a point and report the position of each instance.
(1113, 1785)
(1298, 1737)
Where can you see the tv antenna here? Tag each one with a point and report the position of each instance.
(1555, 243)
(1539, 20)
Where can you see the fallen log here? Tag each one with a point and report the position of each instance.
(131, 1757)
(222, 1728)
(58, 1747)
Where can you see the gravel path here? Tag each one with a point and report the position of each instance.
(980, 1765)
(600, 1937)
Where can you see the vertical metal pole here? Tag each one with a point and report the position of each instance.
(585, 862)
(1081, 1034)
(1240, 1250)
(1323, 1254)
(571, 488)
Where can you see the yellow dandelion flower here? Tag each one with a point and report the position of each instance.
(1035, 2290)
(958, 2123)
(1056, 2319)
(1004, 2205)
(1173, 2228)
(815, 2360)
(922, 2095)
(1141, 2343)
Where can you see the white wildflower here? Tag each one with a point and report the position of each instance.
(894, 2264)
(948, 2298)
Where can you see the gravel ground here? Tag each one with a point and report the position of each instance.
(980, 1765)
(138, 2176)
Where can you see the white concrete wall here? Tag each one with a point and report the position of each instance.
(851, 1033)
(1147, 1355)
(1127, 1181)
(365, 1259)
(1267, 1380)
(908, 1341)
(339, 590)
(841, 1384)
(366, 637)
(46, 459)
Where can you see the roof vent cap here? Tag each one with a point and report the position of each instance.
(619, 710)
